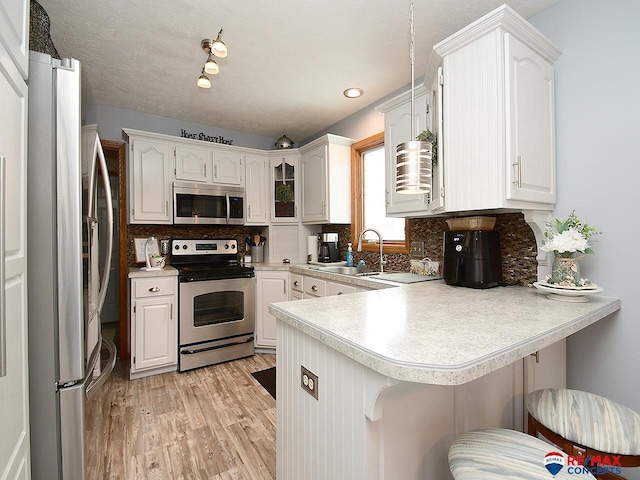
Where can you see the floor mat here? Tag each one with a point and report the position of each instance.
(267, 378)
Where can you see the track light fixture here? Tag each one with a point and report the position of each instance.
(211, 47)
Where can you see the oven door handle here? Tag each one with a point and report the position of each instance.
(200, 350)
(228, 207)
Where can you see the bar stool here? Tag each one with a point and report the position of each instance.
(498, 453)
(585, 425)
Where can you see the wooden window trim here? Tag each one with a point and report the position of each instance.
(357, 193)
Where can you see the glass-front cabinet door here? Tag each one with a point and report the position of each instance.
(284, 189)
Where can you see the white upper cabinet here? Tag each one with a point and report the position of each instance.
(193, 163)
(397, 129)
(227, 167)
(530, 124)
(14, 32)
(150, 181)
(285, 187)
(326, 180)
(498, 104)
(256, 193)
(208, 165)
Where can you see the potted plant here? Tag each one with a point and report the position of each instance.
(284, 200)
(428, 136)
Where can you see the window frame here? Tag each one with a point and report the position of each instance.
(357, 195)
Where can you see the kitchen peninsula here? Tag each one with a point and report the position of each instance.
(402, 371)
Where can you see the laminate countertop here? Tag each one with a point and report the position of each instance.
(439, 334)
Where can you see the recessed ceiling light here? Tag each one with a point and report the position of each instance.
(353, 92)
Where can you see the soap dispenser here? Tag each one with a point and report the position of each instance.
(349, 256)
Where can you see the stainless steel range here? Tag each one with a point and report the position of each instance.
(216, 302)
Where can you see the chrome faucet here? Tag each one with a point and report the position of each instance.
(383, 259)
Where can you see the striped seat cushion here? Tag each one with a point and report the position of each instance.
(587, 419)
(498, 453)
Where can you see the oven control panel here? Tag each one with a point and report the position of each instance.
(204, 247)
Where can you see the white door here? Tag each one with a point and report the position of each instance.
(398, 130)
(192, 163)
(314, 184)
(14, 399)
(530, 125)
(256, 190)
(156, 343)
(271, 288)
(151, 182)
(227, 168)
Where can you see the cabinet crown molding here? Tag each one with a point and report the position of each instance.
(506, 18)
(327, 138)
(401, 99)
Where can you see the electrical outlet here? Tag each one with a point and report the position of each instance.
(417, 250)
(309, 382)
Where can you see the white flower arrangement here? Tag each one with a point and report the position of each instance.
(567, 237)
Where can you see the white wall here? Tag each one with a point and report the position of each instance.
(597, 107)
(112, 120)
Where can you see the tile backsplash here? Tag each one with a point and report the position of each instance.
(179, 231)
(517, 242)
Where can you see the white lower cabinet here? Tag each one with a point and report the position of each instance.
(154, 325)
(271, 287)
(335, 288)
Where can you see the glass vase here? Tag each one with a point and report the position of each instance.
(566, 271)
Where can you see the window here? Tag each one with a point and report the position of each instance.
(369, 196)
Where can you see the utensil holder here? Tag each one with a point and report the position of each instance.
(257, 254)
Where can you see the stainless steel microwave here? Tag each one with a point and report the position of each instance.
(200, 204)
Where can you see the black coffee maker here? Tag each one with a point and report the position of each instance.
(328, 250)
(472, 258)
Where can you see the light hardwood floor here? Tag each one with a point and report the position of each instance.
(215, 423)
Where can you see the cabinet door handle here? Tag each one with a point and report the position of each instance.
(215, 171)
(166, 207)
(249, 211)
(296, 283)
(205, 170)
(518, 166)
(314, 288)
(154, 289)
(339, 293)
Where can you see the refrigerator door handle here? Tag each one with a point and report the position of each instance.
(3, 318)
(109, 247)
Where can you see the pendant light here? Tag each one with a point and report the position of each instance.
(413, 158)
(211, 66)
(218, 47)
(203, 81)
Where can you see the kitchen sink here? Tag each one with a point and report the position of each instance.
(345, 271)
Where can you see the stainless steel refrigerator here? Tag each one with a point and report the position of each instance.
(65, 287)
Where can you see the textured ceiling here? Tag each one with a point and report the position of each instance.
(288, 63)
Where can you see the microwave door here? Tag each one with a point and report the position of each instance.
(235, 210)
